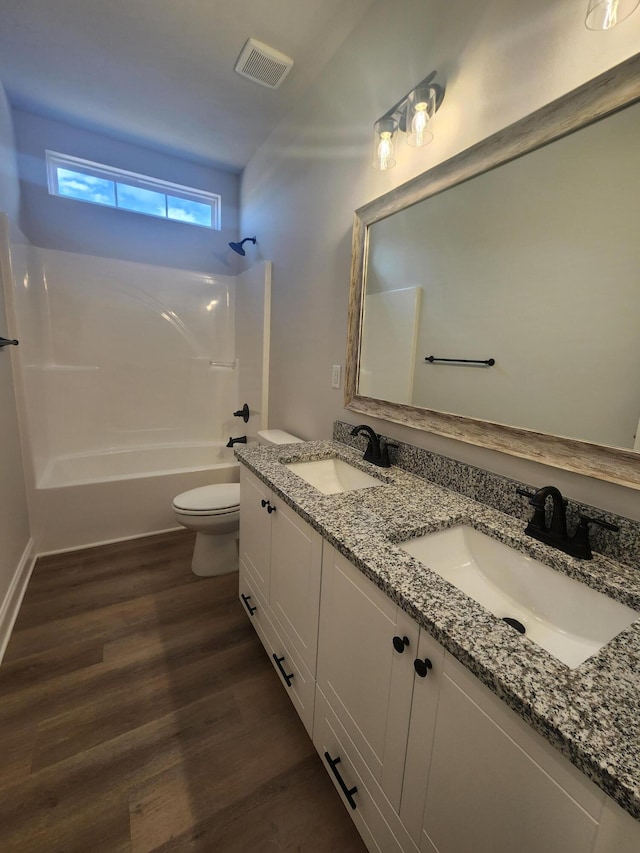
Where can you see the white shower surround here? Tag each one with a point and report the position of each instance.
(117, 355)
(122, 406)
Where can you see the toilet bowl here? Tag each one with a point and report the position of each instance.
(213, 512)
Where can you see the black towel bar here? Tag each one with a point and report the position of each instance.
(489, 362)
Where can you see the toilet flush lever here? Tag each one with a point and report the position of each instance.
(8, 342)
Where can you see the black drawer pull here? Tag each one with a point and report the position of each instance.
(271, 509)
(400, 643)
(422, 667)
(278, 661)
(264, 503)
(251, 609)
(348, 792)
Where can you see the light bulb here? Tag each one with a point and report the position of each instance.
(385, 150)
(610, 15)
(419, 122)
(383, 144)
(420, 107)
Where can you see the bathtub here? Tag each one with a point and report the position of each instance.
(92, 498)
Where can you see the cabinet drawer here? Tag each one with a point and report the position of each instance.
(375, 819)
(299, 682)
(296, 678)
(255, 607)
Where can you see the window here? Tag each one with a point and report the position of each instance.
(70, 177)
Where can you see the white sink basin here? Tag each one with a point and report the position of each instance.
(567, 618)
(333, 476)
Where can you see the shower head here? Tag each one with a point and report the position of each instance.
(237, 247)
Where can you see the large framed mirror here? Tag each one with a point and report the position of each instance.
(495, 299)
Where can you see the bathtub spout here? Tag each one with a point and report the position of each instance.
(241, 440)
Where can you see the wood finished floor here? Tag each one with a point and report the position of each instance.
(139, 712)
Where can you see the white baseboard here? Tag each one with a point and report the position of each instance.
(108, 542)
(11, 605)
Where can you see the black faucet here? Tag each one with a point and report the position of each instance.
(555, 534)
(241, 440)
(376, 453)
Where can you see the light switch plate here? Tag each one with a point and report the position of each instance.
(335, 376)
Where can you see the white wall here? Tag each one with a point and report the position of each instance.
(14, 517)
(501, 60)
(71, 226)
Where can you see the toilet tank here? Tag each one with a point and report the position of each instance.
(277, 436)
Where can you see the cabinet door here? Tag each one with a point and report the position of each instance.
(426, 692)
(486, 794)
(255, 530)
(367, 683)
(296, 567)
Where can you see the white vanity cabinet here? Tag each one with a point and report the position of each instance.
(439, 763)
(280, 567)
(425, 757)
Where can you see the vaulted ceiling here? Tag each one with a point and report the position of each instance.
(160, 73)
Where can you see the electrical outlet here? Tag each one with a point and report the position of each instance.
(335, 376)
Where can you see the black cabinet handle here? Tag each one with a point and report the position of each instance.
(270, 508)
(264, 503)
(422, 667)
(348, 792)
(400, 643)
(278, 661)
(251, 609)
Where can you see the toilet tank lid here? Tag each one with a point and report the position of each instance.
(218, 497)
(277, 436)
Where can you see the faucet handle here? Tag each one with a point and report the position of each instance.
(525, 493)
(385, 462)
(600, 522)
(580, 544)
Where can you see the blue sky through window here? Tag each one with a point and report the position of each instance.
(86, 187)
(185, 210)
(83, 180)
(142, 201)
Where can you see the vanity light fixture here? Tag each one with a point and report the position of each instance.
(411, 115)
(604, 14)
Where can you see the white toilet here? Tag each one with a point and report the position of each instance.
(214, 513)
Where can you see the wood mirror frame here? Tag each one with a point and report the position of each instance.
(602, 96)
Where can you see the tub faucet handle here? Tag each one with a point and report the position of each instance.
(243, 413)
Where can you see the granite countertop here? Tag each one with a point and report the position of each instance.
(590, 713)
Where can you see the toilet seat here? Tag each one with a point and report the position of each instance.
(221, 499)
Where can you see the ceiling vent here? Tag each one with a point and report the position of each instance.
(263, 64)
